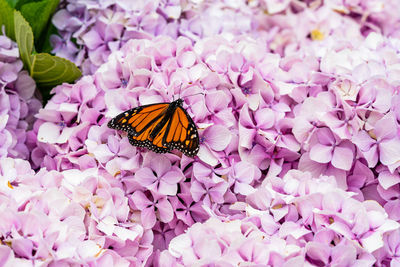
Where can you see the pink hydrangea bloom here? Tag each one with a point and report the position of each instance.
(298, 132)
(65, 218)
(18, 102)
(99, 28)
(314, 213)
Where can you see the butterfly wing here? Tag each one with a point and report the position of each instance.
(181, 133)
(133, 140)
(148, 139)
(137, 120)
(159, 127)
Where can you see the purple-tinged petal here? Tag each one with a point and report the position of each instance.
(145, 177)
(140, 200)
(386, 127)
(197, 190)
(390, 151)
(165, 210)
(321, 153)
(363, 141)
(160, 165)
(318, 251)
(217, 137)
(265, 118)
(6, 255)
(23, 247)
(387, 179)
(325, 136)
(343, 158)
(148, 217)
(167, 188)
(343, 255)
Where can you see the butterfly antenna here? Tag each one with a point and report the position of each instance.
(180, 89)
(195, 94)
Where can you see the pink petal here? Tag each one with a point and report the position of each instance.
(217, 192)
(167, 188)
(217, 100)
(207, 248)
(187, 59)
(321, 153)
(102, 153)
(140, 200)
(390, 151)
(301, 128)
(148, 217)
(387, 179)
(22, 247)
(181, 245)
(6, 254)
(342, 158)
(371, 156)
(245, 118)
(306, 164)
(197, 190)
(92, 39)
(172, 177)
(393, 209)
(200, 170)
(265, 118)
(363, 141)
(246, 137)
(386, 127)
(318, 251)
(49, 133)
(217, 137)
(343, 255)
(325, 136)
(207, 156)
(145, 176)
(372, 242)
(243, 189)
(165, 210)
(160, 164)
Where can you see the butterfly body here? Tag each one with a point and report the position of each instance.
(159, 127)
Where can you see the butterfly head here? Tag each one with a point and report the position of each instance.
(178, 102)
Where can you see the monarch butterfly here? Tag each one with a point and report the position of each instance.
(159, 127)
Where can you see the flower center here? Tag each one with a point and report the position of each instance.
(124, 83)
(246, 90)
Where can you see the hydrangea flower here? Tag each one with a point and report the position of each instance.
(324, 215)
(293, 149)
(18, 102)
(65, 218)
(100, 28)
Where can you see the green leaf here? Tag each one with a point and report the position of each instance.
(12, 3)
(38, 14)
(24, 38)
(7, 18)
(43, 45)
(20, 3)
(49, 71)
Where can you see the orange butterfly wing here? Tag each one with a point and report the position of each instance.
(137, 120)
(182, 133)
(159, 127)
(146, 140)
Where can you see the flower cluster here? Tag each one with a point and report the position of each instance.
(99, 28)
(297, 109)
(290, 221)
(89, 31)
(261, 115)
(17, 102)
(66, 218)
